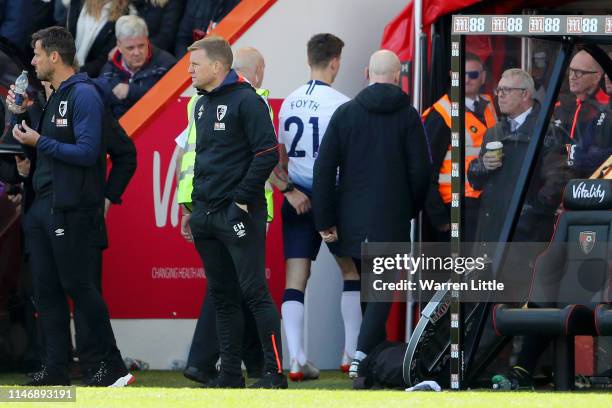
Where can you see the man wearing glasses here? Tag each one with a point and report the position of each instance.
(581, 120)
(492, 173)
(479, 116)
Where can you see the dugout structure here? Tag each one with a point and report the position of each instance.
(447, 339)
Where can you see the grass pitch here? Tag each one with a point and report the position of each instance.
(170, 389)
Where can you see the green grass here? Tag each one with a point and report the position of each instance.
(170, 389)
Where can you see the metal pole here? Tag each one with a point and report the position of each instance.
(457, 201)
(416, 102)
(416, 60)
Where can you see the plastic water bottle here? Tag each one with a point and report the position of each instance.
(21, 85)
(500, 382)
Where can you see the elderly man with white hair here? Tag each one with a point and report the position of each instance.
(371, 178)
(492, 172)
(136, 65)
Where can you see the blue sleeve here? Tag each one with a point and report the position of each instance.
(87, 128)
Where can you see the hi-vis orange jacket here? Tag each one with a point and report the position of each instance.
(474, 131)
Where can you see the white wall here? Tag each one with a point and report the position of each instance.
(282, 33)
(281, 36)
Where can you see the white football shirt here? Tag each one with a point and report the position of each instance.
(302, 122)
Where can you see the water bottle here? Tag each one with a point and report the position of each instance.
(500, 382)
(21, 85)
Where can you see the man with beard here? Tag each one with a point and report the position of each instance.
(64, 224)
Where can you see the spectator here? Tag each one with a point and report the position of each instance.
(92, 23)
(587, 141)
(14, 15)
(608, 85)
(136, 65)
(60, 12)
(492, 174)
(199, 18)
(376, 148)
(479, 116)
(581, 120)
(162, 17)
(41, 15)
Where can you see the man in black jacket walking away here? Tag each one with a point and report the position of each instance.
(236, 150)
(378, 144)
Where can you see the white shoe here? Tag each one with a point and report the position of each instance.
(354, 368)
(299, 372)
(124, 381)
(345, 363)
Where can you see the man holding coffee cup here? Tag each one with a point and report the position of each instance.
(502, 151)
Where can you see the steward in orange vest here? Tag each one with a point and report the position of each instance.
(437, 121)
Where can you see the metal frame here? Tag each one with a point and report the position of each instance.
(563, 29)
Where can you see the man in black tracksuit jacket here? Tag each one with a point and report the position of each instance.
(122, 155)
(378, 144)
(236, 150)
(64, 226)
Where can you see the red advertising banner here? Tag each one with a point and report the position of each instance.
(150, 271)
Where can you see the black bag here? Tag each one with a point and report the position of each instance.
(383, 367)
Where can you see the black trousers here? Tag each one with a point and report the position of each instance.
(532, 348)
(204, 351)
(231, 244)
(373, 330)
(62, 246)
(85, 339)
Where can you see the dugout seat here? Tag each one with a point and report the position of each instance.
(570, 288)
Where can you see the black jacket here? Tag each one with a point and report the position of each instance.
(378, 143)
(118, 146)
(104, 42)
(159, 63)
(15, 16)
(591, 143)
(71, 143)
(197, 16)
(162, 22)
(236, 146)
(544, 190)
(122, 153)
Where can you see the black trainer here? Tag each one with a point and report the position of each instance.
(255, 371)
(520, 378)
(109, 375)
(225, 382)
(45, 378)
(194, 374)
(271, 380)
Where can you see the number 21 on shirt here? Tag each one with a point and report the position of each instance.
(298, 124)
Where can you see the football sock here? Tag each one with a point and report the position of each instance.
(292, 311)
(350, 306)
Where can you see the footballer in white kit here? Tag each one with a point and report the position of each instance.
(303, 120)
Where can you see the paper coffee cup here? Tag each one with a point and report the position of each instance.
(495, 147)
